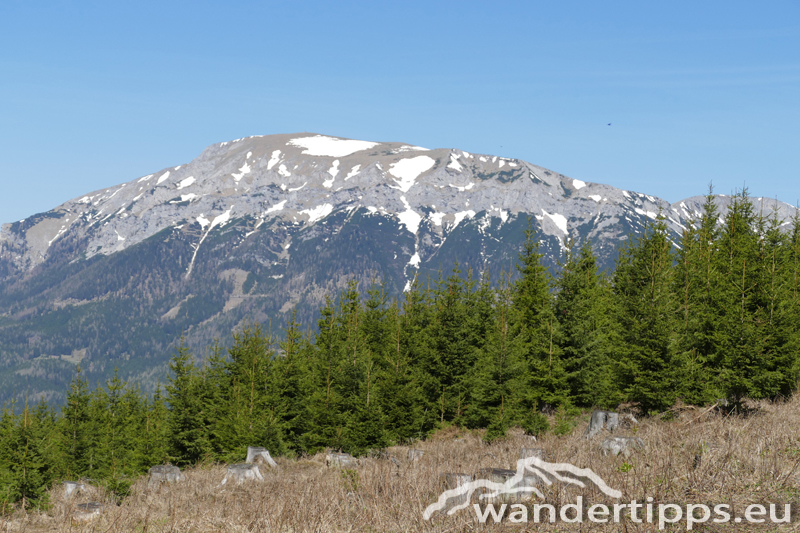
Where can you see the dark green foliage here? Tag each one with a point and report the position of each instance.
(539, 331)
(589, 335)
(649, 369)
(711, 315)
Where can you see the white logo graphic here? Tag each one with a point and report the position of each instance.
(530, 472)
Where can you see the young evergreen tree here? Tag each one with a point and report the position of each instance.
(74, 428)
(26, 456)
(697, 285)
(752, 359)
(497, 381)
(547, 385)
(400, 393)
(325, 427)
(414, 346)
(293, 381)
(453, 349)
(250, 400)
(185, 420)
(648, 368)
(589, 333)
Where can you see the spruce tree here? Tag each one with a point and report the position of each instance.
(589, 332)
(185, 420)
(497, 381)
(648, 367)
(697, 289)
(536, 324)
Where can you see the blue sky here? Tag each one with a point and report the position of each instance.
(95, 93)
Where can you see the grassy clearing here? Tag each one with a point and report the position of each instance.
(695, 458)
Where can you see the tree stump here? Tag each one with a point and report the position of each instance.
(85, 512)
(601, 420)
(415, 455)
(342, 460)
(525, 453)
(164, 474)
(515, 493)
(453, 481)
(257, 455)
(621, 445)
(242, 472)
(72, 487)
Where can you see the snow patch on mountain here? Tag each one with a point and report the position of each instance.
(461, 215)
(274, 159)
(317, 213)
(454, 164)
(245, 169)
(408, 170)
(330, 146)
(353, 172)
(409, 218)
(186, 182)
(559, 220)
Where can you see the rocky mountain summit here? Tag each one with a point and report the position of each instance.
(256, 227)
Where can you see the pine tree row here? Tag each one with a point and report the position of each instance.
(712, 316)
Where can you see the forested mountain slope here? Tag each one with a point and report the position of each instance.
(257, 227)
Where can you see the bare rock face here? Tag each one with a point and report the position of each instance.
(621, 445)
(239, 473)
(258, 455)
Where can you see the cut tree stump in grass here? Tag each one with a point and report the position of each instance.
(164, 474)
(242, 472)
(608, 420)
(72, 487)
(621, 445)
(602, 420)
(525, 453)
(342, 460)
(504, 476)
(85, 512)
(257, 455)
(415, 455)
(451, 481)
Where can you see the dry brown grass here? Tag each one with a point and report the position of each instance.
(746, 459)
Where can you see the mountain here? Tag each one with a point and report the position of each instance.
(256, 227)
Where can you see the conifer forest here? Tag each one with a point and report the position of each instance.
(712, 316)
